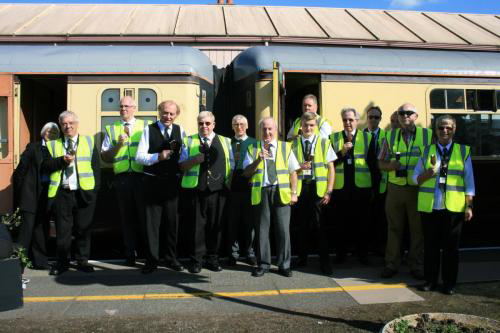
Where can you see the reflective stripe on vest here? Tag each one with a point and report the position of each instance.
(455, 189)
(83, 162)
(423, 138)
(282, 153)
(362, 176)
(297, 124)
(124, 159)
(192, 142)
(319, 164)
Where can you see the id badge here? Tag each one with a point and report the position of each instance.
(349, 161)
(307, 172)
(442, 180)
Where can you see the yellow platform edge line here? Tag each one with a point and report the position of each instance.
(210, 294)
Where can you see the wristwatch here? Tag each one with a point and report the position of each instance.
(294, 192)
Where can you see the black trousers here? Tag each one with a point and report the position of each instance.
(312, 222)
(351, 223)
(240, 224)
(73, 217)
(205, 214)
(128, 191)
(162, 218)
(33, 233)
(442, 230)
(378, 222)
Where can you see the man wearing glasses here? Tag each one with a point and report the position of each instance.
(399, 155)
(207, 162)
(159, 151)
(119, 148)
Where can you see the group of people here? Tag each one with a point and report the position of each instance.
(317, 176)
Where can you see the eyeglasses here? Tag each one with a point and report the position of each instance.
(127, 106)
(448, 128)
(374, 117)
(406, 113)
(204, 123)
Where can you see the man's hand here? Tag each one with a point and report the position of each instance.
(468, 214)
(395, 165)
(346, 147)
(305, 165)
(165, 154)
(293, 199)
(122, 139)
(326, 199)
(69, 158)
(264, 154)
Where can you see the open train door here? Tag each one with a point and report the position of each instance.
(6, 143)
(279, 94)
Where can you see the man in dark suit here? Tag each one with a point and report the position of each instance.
(159, 153)
(73, 163)
(31, 186)
(207, 162)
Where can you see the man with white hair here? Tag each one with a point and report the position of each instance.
(74, 181)
(273, 168)
(207, 162)
(323, 128)
(31, 186)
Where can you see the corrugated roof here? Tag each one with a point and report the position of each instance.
(246, 24)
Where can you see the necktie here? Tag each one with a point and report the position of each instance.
(271, 169)
(167, 137)
(307, 152)
(68, 171)
(126, 128)
(71, 146)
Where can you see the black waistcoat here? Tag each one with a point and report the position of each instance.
(157, 143)
(216, 164)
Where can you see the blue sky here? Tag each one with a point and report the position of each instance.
(454, 6)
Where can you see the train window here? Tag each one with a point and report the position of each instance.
(447, 99)
(110, 100)
(147, 100)
(480, 131)
(4, 148)
(481, 100)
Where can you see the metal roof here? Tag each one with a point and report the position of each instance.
(367, 61)
(153, 59)
(246, 24)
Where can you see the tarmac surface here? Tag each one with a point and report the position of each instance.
(119, 298)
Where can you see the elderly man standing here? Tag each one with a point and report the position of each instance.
(74, 181)
(159, 152)
(323, 128)
(240, 224)
(120, 147)
(314, 187)
(273, 167)
(31, 187)
(399, 155)
(207, 162)
(353, 182)
(444, 174)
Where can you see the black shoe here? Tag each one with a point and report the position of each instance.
(252, 261)
(148, 268)
(58, 269)
(259, 271)
(300, 262)
(326, 269)
(174, 265)
(428, 286)
(286, 272)
(86, 268)
(388, 272)
(195, 268)
(448, 291)
(417, 274)
(231, 261)
(130, 262)
(214, 266)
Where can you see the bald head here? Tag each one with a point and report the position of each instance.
(407, 115)
(268, 129)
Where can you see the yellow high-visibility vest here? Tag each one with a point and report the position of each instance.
(319, 164)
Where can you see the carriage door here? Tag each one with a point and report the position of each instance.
(6, 143)
(279, 94)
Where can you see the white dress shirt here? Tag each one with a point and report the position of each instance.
(142, 156)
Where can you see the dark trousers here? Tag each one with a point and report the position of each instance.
(162, 218)
(270, 207)
(240, 225)
(128, 191)
(33, 234)
(73, 216)
(350, 214)
(442, 230)
(378, 222)
(311, 219)
(205, 213)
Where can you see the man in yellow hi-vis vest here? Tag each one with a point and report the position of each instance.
(207, 162)
(315, 186)
(273, 168)
(73, 163)
(323, 128)
(399, 155)
(444, 174)
(119, 148)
